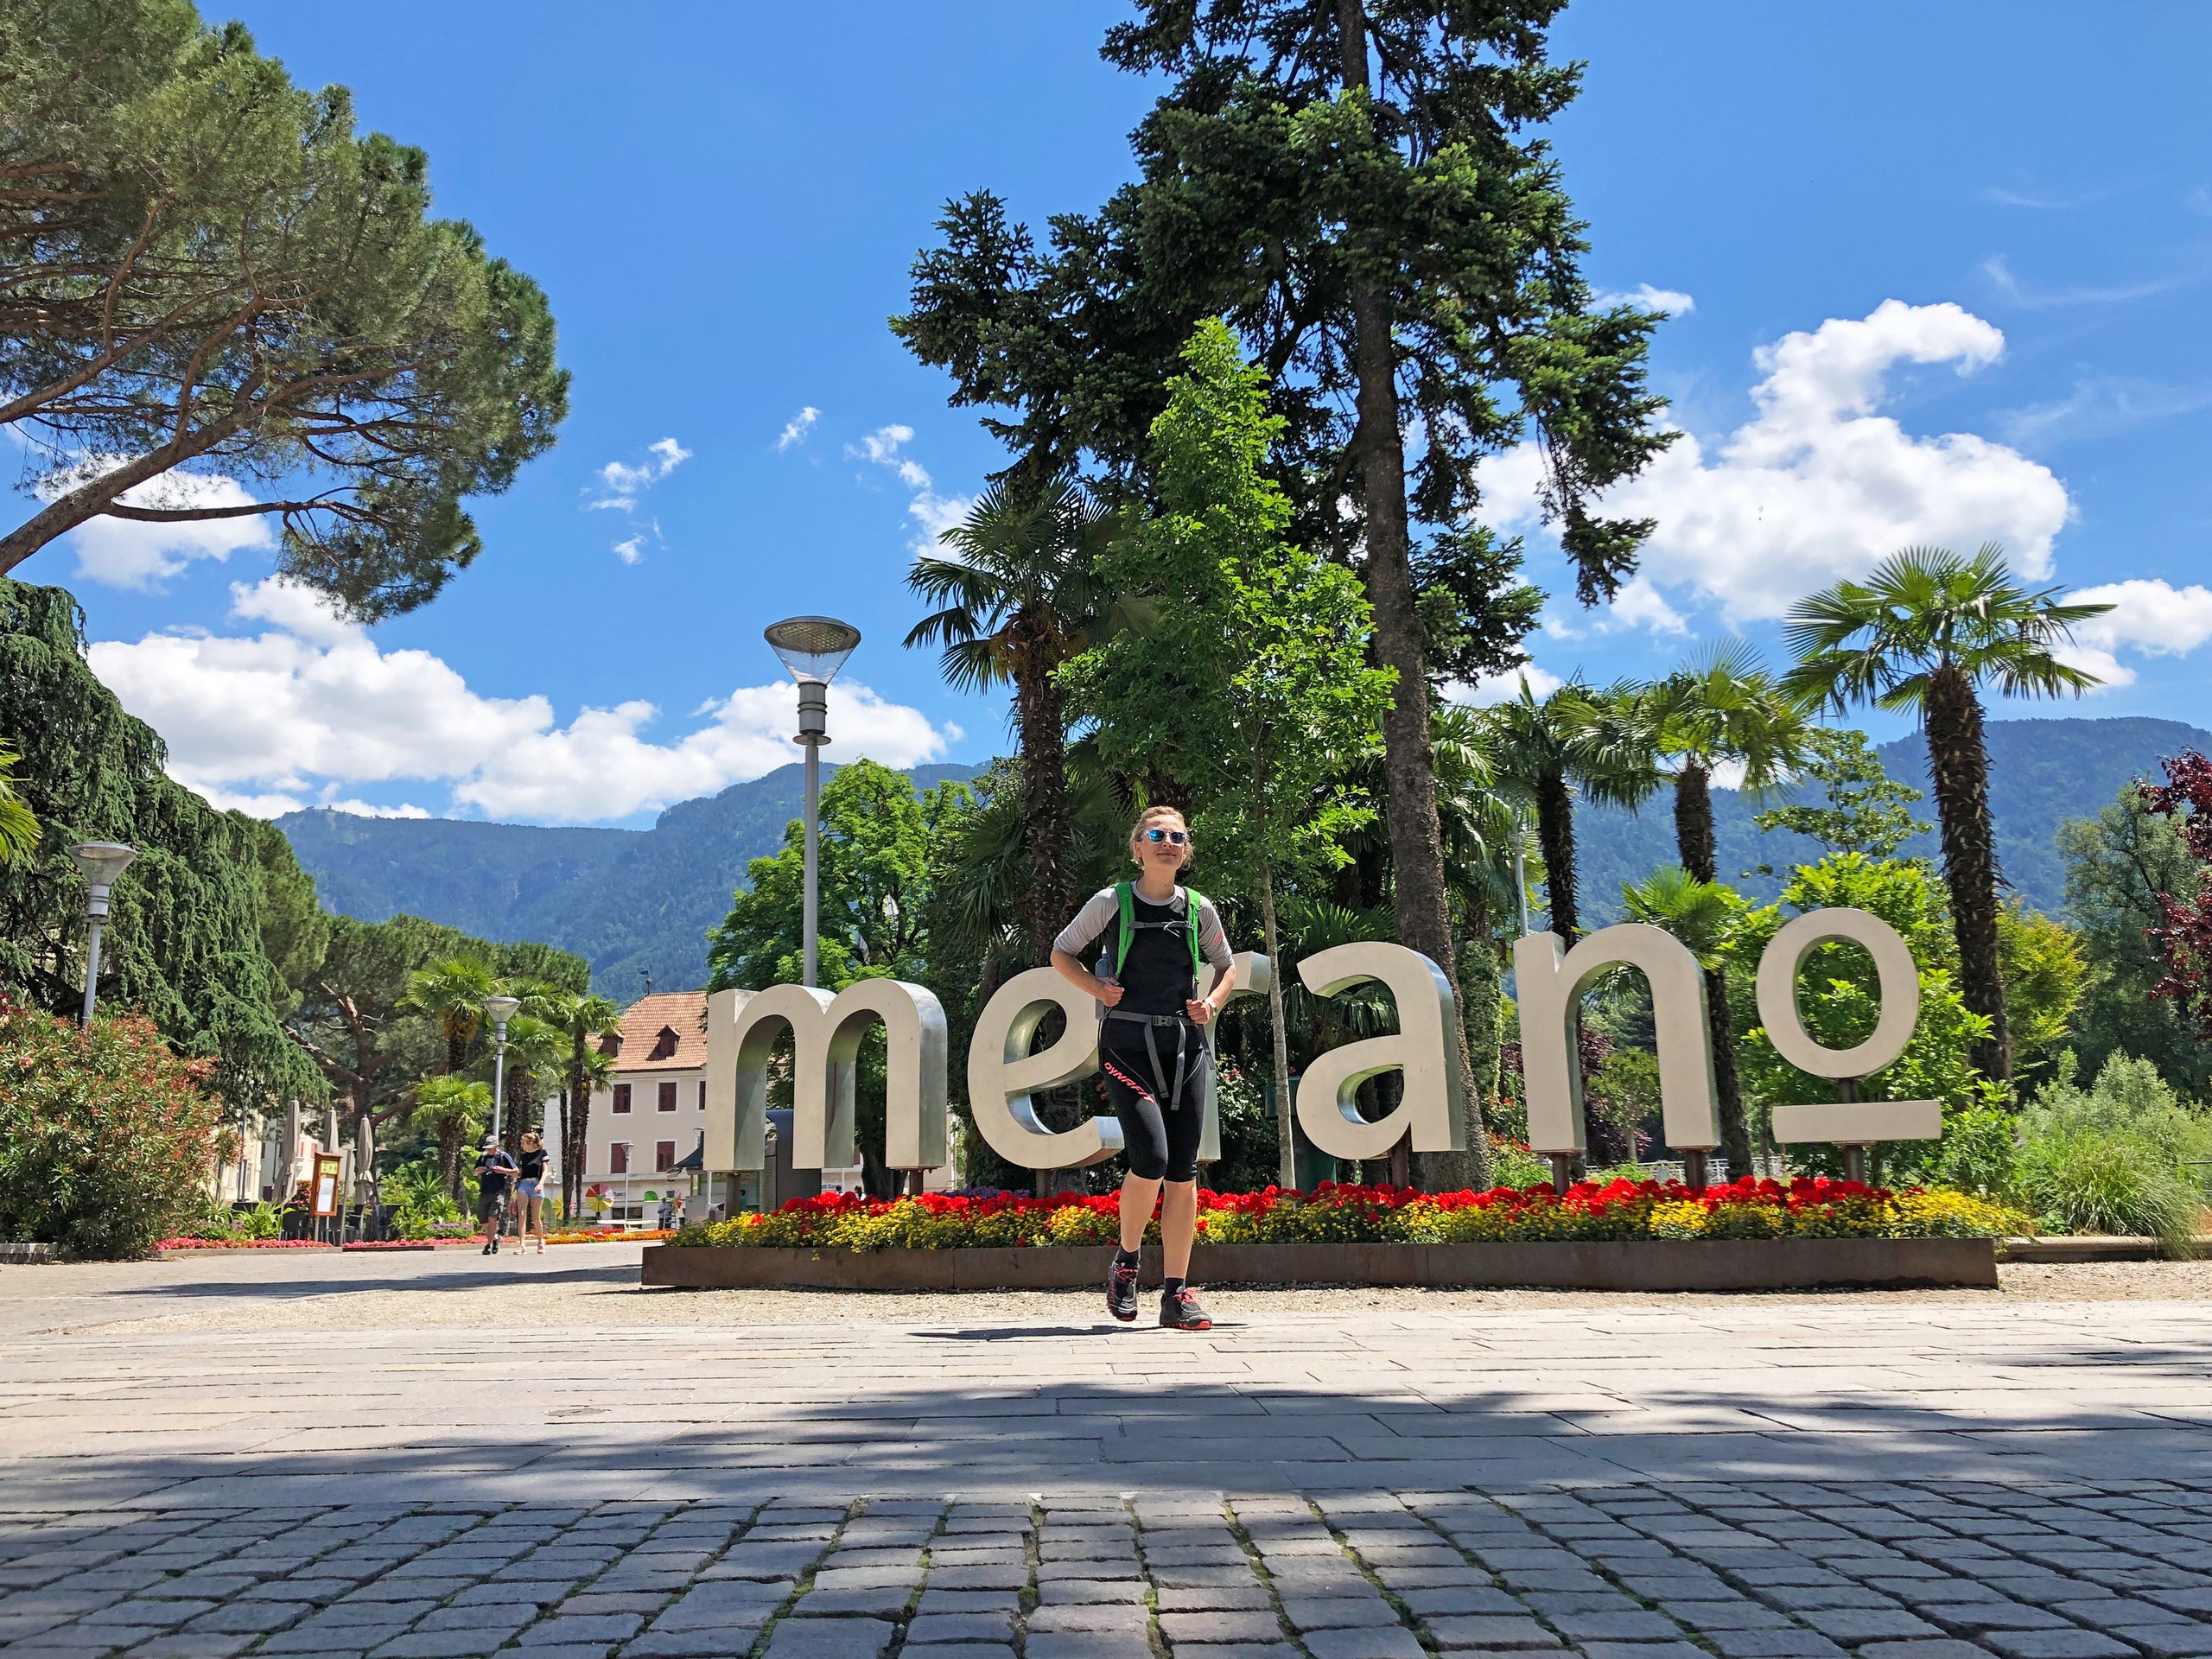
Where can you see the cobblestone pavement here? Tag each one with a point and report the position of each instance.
(1746, 1477)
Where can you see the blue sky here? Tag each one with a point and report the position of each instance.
(1944, 266)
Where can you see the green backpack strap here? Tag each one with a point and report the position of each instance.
(1125, 898)
(1125, 901)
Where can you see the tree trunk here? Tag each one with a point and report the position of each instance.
(1555, 835)
(1043, 735)
(1286, 1116)
(450, 1139)
(1694, 840)
(574, 1118)
(1958, 767)
(1479, 977)
(1423, 911)
(1693, 820)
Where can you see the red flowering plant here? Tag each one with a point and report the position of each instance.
(107, 1137)
(2183, 934)
(1807, 1207)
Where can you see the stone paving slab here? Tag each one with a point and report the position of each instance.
(1744, 1478)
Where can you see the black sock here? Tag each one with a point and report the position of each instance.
(1123, 1258)
(1170, 1288)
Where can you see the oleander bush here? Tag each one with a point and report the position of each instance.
(1810, 1207)
(106, 1136)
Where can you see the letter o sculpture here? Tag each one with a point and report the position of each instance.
(1778, 992)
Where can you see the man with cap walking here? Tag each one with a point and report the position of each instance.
(495, 1173)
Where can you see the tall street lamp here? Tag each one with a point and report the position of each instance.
(814, 648)
(500, 1009)
(102, 861)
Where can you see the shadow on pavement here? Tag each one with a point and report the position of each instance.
(462, 1279)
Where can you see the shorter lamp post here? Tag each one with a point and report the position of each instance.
(102, 861)
(501, 1010)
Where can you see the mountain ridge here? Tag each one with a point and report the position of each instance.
(634, 902)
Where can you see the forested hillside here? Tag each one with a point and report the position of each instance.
(636, 902)
(631, 902)
(2042, 772)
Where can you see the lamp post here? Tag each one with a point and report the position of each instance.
(102, 861)
(501, 1010)
(813, 648)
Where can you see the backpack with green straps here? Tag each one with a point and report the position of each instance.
(1125, 900)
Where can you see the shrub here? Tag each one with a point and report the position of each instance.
(2126, 1155)
(106, 1137)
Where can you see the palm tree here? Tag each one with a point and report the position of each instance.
(1723, 706)
(1924, 631)
(1017, 600)
(581, 1019)
(452, 1111)
(1578, 739)
(453, 992)
(536, 1053)
(19, 830)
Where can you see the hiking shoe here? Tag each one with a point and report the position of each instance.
(1184, 1312)
(1122, 1292)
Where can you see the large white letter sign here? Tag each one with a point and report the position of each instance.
(1549, 984)
(1426, 1048)
(1852, 1122)
(826, 1034)
(1001, 1072)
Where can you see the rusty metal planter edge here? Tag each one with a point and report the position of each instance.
(1635, 1264)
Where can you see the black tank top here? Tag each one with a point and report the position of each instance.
(1156, 976)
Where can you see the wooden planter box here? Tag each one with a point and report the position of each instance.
(1642, 1264)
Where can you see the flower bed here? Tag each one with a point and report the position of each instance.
(177, 1246)
(389, 1244)
(1621, 1210)
(610, 1236)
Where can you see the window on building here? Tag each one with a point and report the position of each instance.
(702, 1094)
(665, 1045)
(621, 1097)
(666, 1100)
(663, 1156)
(617, 1158)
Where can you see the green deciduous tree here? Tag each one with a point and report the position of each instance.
(1866, 809)
(204, 268)
(2118, 864)
(1018, 598)
(1924, 633)
(1250, 683)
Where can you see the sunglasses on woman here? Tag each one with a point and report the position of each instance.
(1172, 837)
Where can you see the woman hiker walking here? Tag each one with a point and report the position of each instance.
(1151, 1045)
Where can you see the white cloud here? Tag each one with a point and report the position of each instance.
(2152, 617)
(623, 484)
(1639, 605)
(126, 553)
(368, 810)
(936, 513)
(1999, 272)
(264, 722)
(1503, 687)
(2101, 406)
(629, 550)
(1645, 298)
(1817, 486)
(797, 428)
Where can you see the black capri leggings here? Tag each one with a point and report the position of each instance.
(1160, 1145)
